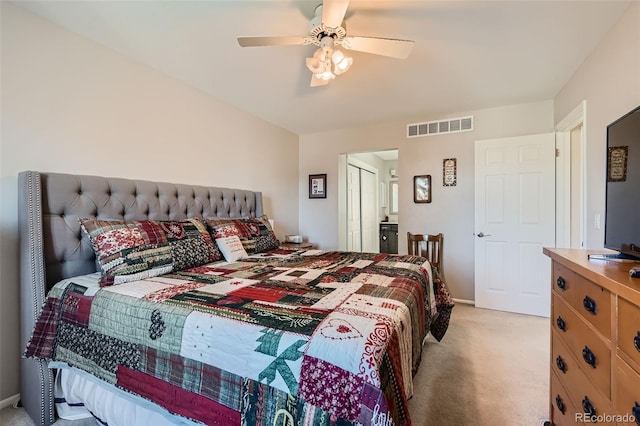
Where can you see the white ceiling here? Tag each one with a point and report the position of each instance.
(467, 55)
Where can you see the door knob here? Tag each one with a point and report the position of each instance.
(482, 235)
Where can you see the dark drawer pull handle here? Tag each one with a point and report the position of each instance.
(588, 407)
(561, 283)
(589, 357)
(636, 412)
(561, 365)
(636, 341)
(589, 304)
(560, 404)
(561, 324)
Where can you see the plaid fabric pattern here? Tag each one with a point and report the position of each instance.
(43, 338)
(177, 399)
(133, 250)
(256, 234)
(194, 376)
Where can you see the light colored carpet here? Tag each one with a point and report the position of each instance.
(491, 369)
(18, 417)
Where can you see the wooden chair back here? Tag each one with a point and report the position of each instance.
(429, 246)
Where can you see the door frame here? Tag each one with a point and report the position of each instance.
(564, 164)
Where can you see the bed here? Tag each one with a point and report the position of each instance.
(272, 336)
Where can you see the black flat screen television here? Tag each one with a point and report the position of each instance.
(622, 214)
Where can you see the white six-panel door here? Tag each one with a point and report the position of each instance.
(514, 220)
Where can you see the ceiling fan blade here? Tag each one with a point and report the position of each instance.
(379, 46)
(271, 41)
(315, 81)
(333, 12)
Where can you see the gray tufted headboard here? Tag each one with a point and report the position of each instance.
(52, 246)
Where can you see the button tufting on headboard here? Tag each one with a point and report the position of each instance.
(65, 198)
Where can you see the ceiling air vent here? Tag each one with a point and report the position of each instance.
(452, 125)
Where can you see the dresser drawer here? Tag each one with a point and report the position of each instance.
(574, 378)
(593, 303)
(564, 282)
(564, 364)
(629, 329)
(589, 299)
(628, 391)
(591, 352)
(563, 412)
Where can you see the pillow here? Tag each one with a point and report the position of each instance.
(255, 234)
(231, 248)
(133, 250)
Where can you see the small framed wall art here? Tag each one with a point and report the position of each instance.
(449, 172)
(422, 189)
(617, 163)
(318, 186)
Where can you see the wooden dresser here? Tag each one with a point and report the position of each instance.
(595, 340)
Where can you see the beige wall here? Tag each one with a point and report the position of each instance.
(609, 80)
(71, 105)
(451, 211)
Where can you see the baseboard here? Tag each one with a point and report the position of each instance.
(465, 302)
(9, 401)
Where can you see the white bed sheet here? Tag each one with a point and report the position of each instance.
(108, 404)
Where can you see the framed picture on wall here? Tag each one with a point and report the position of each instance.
(422, 189)
(617, 163)
(449, 172)
(318, 186)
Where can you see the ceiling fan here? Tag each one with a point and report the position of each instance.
(327, 31)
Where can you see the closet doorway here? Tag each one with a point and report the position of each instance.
(362, 220)
(362, 200)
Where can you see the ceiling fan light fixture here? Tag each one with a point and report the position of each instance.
(341, 63)
(327, 31)
(337, 56)
(317, 64)
(314, 65)
(326, 75)
(320, 54)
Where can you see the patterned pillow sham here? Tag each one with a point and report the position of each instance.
(130, 250)
(255, 233)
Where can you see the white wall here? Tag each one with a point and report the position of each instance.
(609, 80)
(70, 105)
(451, 211)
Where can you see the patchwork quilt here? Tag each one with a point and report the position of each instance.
(282, 337)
